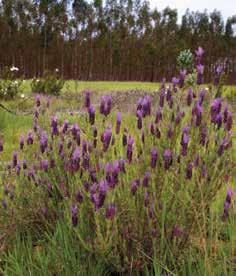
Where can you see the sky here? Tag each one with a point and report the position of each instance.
(226, 7)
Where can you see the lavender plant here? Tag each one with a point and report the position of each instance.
(129, 194)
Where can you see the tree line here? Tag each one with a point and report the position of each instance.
(110, 39)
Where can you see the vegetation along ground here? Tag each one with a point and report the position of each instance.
(118, 178)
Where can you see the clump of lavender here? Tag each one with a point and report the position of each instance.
(137, 179)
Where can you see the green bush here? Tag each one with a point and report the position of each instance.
(49, 84)
(9, 85)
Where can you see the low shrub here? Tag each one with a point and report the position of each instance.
(50, 84)
(10, 87)
(133, 189)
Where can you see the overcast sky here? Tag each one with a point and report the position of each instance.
(227, 7)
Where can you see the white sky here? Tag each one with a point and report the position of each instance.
(226, 7)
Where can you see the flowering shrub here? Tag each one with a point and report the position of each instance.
(130, 187)
(9, 85)
(50, 84)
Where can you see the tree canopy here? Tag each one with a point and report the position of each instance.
(110, 39)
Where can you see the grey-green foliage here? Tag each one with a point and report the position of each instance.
(191, 79)
(185, 60)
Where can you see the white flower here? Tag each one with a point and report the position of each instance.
(22, 96)
(37, 80)
(13, 68)
(57, 70)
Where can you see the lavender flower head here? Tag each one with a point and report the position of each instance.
(199, 52)
(168, 158)
(37, 101)
(87, 98)
(110, 211)
(54, 125)
(22, 142)
(215, 108)
(129, 151)
(118, 122)
(74, 215)
(154, 155)
(14, 159)
(146, 179)
(91, 111)
(200, 70)
(227, 203)
(106, 138)
(43, 141)
(190, 96)
(30, 138)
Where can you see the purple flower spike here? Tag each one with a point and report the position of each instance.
(24, 165)
(227, 203)
(91, 111)
(189, 170)
(105, 105)
(54, 126)
(139, 114)
(158, 115)
(65, 126)
(154, 155)
(129, 151)
(74, 215)
(199, 52)
(170, 132)
(124, 139)
(184, 141)
(177, 232)
(106, 138)
(229, 122)
(203, 136)
(198, 113)
(162, 98)
(22, 142)
(14, 159)
(44, 165)
(225, 144)
(43, 141)
(168, 158)
(37, 100)
(76, 155)
(175, 81)
(79, 197)
(118, 122)
(75, 130)
(134, 186)
(146, 199)
(215, 109)
(182, 76)
(87, 98)
(200, 70)
(30, 138)
(202, 96)
(190, 96)
(218, 120)
(152, 129)
(110, 211)
(146, 179)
